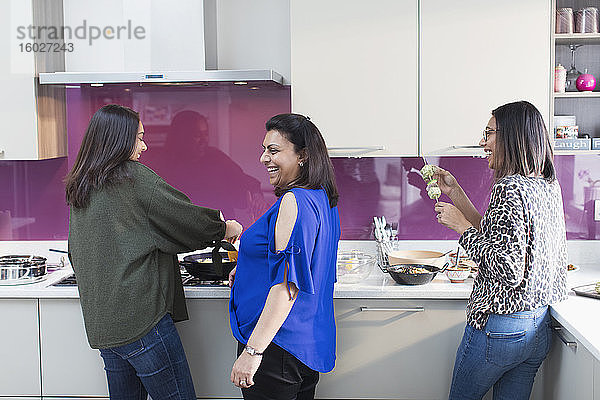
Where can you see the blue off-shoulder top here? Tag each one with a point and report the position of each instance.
(308, 333)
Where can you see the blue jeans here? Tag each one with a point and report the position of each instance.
(155, 365)
(506, 355)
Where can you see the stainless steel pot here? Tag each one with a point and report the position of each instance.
(16, 270)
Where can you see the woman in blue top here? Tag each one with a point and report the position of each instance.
(281, 307)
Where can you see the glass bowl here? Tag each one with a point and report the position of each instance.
(353, 266)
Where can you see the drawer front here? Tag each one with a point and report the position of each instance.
(401, 349)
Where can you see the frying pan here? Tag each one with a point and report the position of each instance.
(216, 270)
(401, 273)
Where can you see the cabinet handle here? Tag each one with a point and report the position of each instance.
(558, 331)
(470, 150)
(396, 309)
(353, 151)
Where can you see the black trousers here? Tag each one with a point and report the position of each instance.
(281, 377)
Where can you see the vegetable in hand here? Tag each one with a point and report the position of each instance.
(433, 190)
(427, 172)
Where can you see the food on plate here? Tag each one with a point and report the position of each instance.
(232, 255)
(597, 288)
(459, 267)
(571, 267)
(350, 264)
(209, 260)
(412, 270)
(427, 172)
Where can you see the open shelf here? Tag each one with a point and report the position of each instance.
(577, 38)
(583, 105)
(575, 152)
(576, 94)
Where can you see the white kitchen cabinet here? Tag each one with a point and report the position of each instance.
(416, 76)
(400, 349)
(23, 398)
(19, 349)
(33, 116)
(354, 72)
(596, 379)
(157, 36)
(475, 56)
(568, 372)
(69, 366)
(210, 347)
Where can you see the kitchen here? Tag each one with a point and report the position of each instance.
(416, 77)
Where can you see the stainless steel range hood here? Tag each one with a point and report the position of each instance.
(166, 77)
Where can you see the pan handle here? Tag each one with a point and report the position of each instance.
(217, 260)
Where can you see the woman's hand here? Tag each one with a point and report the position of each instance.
(446, 181)
(244, 368)
(451, 217)
(233, 230)
(232, 277)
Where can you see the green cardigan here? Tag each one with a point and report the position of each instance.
(123, 248)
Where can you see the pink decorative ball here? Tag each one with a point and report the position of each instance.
(585, 83)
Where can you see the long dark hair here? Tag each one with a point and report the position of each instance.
(522, 142)
(109, 141)
(317, 171)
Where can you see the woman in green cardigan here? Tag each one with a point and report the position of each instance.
(126, 227)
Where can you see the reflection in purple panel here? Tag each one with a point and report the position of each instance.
(394, 188)
(203, 139)
(32, 200)
(206, 141)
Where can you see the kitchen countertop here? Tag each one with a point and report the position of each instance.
(377, 285)
(577, 314)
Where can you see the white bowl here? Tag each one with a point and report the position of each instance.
(464, 260)
(458, 275)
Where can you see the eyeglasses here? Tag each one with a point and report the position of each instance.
(487, 131)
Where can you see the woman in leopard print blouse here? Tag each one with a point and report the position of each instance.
(520, 247)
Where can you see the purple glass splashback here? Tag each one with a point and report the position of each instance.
(206, 141)
(394, 188)
(32, 200)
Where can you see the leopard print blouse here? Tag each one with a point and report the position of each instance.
(521, 249)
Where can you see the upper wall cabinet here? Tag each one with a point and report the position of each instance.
(354, 71)
(475, 56)
(34, 116)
